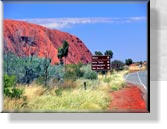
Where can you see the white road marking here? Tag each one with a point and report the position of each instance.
(126, 76)
(129, 75)
(141, 81)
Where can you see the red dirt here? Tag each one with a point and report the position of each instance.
(128, 99)
(47, 41)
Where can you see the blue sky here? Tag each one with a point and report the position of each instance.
(117, 27)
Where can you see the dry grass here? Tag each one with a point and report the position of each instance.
(33, 91)
(13, 105)
(75, 100)
(108, 82)
(112, 82)
(73, 97)
(68, 84)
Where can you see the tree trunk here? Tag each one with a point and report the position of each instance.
(65, 64)
(46, 75)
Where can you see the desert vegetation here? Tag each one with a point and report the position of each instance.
(69, 87)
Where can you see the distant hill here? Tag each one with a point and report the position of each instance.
(24, 38)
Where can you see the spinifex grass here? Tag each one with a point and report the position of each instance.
(67, 98)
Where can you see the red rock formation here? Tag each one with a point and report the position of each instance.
(24, 38)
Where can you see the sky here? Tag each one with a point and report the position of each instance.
(120, 27)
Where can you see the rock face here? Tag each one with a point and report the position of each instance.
(25, 39)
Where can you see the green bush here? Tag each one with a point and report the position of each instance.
(107, 80)
(70, 75)
(9, 87)
(58, 92)
(7, 92)
(128, 61)
(13, 92)
(115, 88)
(73, 71)
(9, 81)
(27, 69)
(90, 75)
(40, 80)
(117, 65)
(16, 93)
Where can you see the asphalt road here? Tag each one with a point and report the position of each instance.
(138, 78)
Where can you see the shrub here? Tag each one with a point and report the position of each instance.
(68, 84)
(16, 93)
(70, 75)
(117, 65)
(128, 61)
(7, 92)
(29, 76)
(103, 72)
(79, 73)
(90, 75)
(73, 71)
(13, 92)
(56, 71)
(107, 80)
(58, 92)
(114, 88)
(9, 87)
(40, 80)
(86, 68)
(9, 81)
(27, 69)
(98, 53)
(109, 53)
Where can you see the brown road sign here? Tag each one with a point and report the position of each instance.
(100, 63)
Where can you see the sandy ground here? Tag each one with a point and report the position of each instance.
(128, 99)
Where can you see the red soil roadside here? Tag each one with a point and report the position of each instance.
(128, 99)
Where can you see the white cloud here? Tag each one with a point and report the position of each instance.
(59, 23)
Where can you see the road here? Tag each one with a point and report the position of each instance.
(138, 78)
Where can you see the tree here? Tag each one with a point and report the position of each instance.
(109, 53)
(47, 61)
(46, 67)
(48, 54)
(117, 65)
(128, 61)
(140, 62)
(60, 55)
(98, 53)
(65, 49)
(63, 52)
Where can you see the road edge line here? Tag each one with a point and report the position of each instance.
(141, 81)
